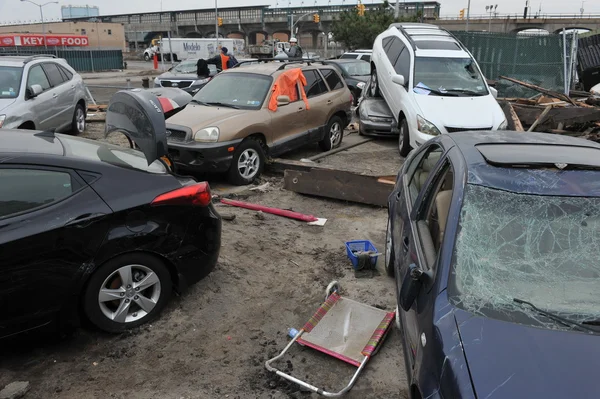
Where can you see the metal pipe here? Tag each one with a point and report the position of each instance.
(468, 14)
(217, 23)
(564, 37)
(170, 47)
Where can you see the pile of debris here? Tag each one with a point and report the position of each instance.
(577, 114)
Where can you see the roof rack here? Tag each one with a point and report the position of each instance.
(307, 61)
(33, 57)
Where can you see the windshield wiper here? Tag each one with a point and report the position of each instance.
(222, 104)
(556, 318)
(438, 92)
(465, 91)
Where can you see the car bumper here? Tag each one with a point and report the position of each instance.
(372, 128)
(203, 157)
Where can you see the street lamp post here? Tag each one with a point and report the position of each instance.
(42, 15)
(468, 14)
(491, 9)
(217, 23)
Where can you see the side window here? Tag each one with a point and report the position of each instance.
(38, 77)
(332, 78)
(314, 84)
(66, 73)
(395, 49)
(420, 169)
(31, 188)
(366, 58)
(402, 65)
(386, 42)
(54, 75)
(433, 215)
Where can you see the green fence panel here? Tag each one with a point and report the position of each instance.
(536, 59)
(82, 60)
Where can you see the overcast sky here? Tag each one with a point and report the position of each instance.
(14, 10)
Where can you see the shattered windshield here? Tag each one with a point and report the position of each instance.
(540, 249)
(186, 67)
(458, 76)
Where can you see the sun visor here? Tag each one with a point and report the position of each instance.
(139, 115)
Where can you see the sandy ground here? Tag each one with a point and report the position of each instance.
(212, 342)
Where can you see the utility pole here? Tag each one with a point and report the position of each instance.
(397, 10)
(217, 23)
(42, 16)
(468, 14)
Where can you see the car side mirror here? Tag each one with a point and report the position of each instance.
(411, 285)
(34, 90)
(398, 79)
(494, 92)
(283, 100)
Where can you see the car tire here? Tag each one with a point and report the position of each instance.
(404, 138)
(374, 85)
(334, 134)
(118, 278)
(389, 250)
(78, 123)
(146, 57)
(248, 162)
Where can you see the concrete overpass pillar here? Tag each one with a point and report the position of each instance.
(315, 39)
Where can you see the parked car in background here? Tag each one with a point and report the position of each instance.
(374, 115)
(483, 248)
(364, 55)
(236, 122)
(354, 72)
(432, 84)
(183, 76)
(100, 231)
(41, 92)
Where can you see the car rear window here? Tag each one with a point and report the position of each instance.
(112, 154)
(10, 81)
(332, 78)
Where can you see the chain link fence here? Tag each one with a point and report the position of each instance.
(81, 59)
(537, 59)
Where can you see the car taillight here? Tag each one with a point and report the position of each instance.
(195, 194)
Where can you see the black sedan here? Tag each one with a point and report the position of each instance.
(493, 239)
(355, 72)
(95, 230)
(183, 76)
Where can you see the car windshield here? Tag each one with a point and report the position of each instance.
(239, 90)
(459, 76)
(540, 249)
(10, 81)
(185, 67)
(109, 153)
(361, 68)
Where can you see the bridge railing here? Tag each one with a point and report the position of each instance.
(520, 17)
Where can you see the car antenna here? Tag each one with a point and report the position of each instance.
(46, 133)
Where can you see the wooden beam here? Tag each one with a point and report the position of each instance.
(514, 123)
(280, 165)
(547, 92)
(338, 184)
(540, 119)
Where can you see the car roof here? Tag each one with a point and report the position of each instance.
(346, 61)
(20, 60)
(31, 142)
(273, 68)
(486, 152)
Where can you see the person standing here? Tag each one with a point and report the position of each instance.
(220, 60)
(295, 50)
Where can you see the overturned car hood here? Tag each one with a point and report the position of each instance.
(509, 360)
(460, 112)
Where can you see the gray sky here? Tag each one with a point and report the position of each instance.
(14, 10)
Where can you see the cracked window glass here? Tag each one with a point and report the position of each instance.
(540, 249)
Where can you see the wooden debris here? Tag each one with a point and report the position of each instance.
(541, 90)
(97, 108)
(540, 118)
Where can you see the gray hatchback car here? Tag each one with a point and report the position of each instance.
(41, 93)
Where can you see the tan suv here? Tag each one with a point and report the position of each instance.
(244, 115)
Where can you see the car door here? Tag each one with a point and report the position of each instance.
(402, 66)
(65, 94)
(51, 225)
(290, 121)
(387, 87)
(321, 103)
(44, 106)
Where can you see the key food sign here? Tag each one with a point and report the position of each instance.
(37, 40)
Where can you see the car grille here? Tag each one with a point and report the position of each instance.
(466, 129)
(176, 135)
(178, 83)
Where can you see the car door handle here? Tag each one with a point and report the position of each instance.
(54, 95)
(84, 220)
(329, 102)
(405, 244)
(300, 109)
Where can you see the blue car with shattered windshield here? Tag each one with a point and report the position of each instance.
(494, 242)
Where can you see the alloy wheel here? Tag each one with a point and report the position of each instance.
(129, 293)
(335, 134)
(374, 83)
(248, 163)
(80, 120)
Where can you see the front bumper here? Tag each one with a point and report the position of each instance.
(369, 127)
(203, 157)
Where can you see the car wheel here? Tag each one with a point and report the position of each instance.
(78, 124)
(404, 138)
(146, 57)
(374, 86)
(389, 250)
(334, 133)
(248, 162)
(126, 292)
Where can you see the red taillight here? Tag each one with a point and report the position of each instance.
(196, 194)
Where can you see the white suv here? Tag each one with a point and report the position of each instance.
(432, 84)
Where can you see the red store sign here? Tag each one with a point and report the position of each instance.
(38, 40)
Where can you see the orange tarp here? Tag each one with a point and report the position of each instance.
(286, 85)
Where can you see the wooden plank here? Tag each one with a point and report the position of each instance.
(540, 89)
(514, 123)
(540, 119)
(280, 165)
(337, 184)
(567, 115)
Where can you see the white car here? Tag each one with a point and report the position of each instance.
(432, 84)
(364, 55)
